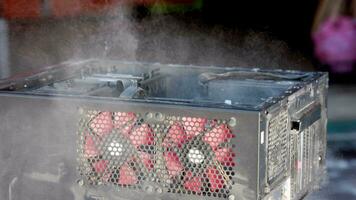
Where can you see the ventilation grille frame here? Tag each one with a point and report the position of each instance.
(157, 177)
(278, 147)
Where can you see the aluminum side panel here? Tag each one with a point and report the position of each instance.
(38, 144)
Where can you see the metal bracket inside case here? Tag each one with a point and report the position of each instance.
(305, 118)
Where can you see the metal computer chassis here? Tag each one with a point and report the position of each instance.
(117, 130)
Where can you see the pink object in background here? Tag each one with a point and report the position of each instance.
(335, 43)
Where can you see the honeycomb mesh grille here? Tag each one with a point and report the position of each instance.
(277, 146)
(176, 154)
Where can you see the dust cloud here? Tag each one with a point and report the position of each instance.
(157, 38)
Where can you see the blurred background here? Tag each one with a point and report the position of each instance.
(300, 35)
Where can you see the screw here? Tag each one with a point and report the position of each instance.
(159, 116)
(320, 158)
(159, 190)
(149, 189)
(80, 182)
(149, 115)
(232, 121)
(231, 197)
